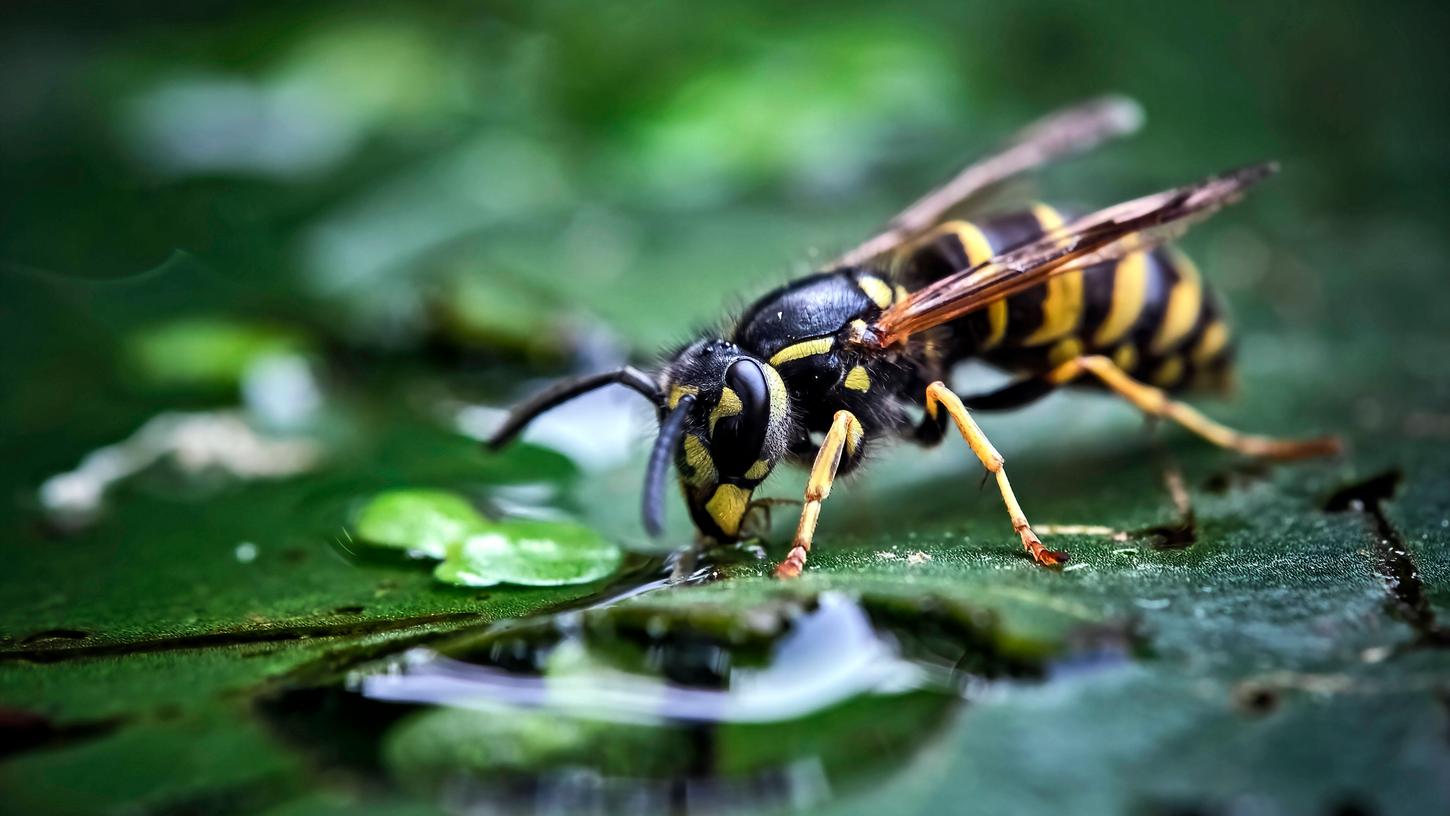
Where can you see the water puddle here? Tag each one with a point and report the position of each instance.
(658, 706)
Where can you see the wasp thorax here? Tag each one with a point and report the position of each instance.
(735, 430)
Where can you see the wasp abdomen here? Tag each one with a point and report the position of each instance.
(1150, 312)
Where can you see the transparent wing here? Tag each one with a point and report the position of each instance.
(1066, 132)
(1105, 235)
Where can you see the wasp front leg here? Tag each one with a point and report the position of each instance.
(843, 439)
(938, 396)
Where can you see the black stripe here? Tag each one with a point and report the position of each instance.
(1007, 232)
(1024, 310)
(1097, 295)
(933, 261)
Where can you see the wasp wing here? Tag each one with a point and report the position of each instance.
(1072, 130)
(1107, 234)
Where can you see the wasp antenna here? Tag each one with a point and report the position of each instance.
(671, 429)
(562, 392)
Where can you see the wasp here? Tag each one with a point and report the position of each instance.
(822, 370)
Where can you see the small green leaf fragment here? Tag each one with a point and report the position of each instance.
(530, 553)
(205, 353)
(420, 521)
(461, 572)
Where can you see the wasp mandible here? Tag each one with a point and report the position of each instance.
(851, 353)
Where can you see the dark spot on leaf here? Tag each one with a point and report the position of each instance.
(1351, 807)
(1365, 495)
(1256, 700)
(1237, 477)
(355, 609)
(1178, 809)
(1177, 536)
(22, 730)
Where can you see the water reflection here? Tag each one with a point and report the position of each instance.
(829, 655)
(661, 706)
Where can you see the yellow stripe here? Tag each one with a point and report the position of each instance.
(727, 507)
(779, 396)
(1062, 303)
(679, 391)
(996, 323)
(876, 289)
(978, 249)
(854, 438)
(1048, 218)
(1169, 372)
(805, 348)
(858, 380)
(1126, 357)
(759, 470)
(1064, 351)
(974, 241)
(697, 456)
(1130, 289)
(1210, 343)
(1183, 305)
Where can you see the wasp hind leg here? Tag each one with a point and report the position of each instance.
(938, 396)
(843, 439)
(1155, 402)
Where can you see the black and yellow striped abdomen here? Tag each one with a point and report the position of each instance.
(1151, 312)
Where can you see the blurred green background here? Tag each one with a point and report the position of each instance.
(410, 210)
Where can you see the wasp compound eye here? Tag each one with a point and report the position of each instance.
(741, 419)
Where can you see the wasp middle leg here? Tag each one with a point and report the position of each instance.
(1155, 402)
(938, 396)
(844, 437)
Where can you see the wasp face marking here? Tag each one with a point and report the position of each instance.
(736, 430)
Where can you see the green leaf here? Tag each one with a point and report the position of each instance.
(530, 553)
(423, 522)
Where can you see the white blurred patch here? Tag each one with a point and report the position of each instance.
(597, 431)
(308, 110)
(534, 501)
(280, 391)
(205, 124)
(194, 443)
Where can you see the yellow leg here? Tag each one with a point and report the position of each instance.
(844, 436)
(1155, 402)
(939, 396)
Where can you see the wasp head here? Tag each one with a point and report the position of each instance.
(725, 423)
